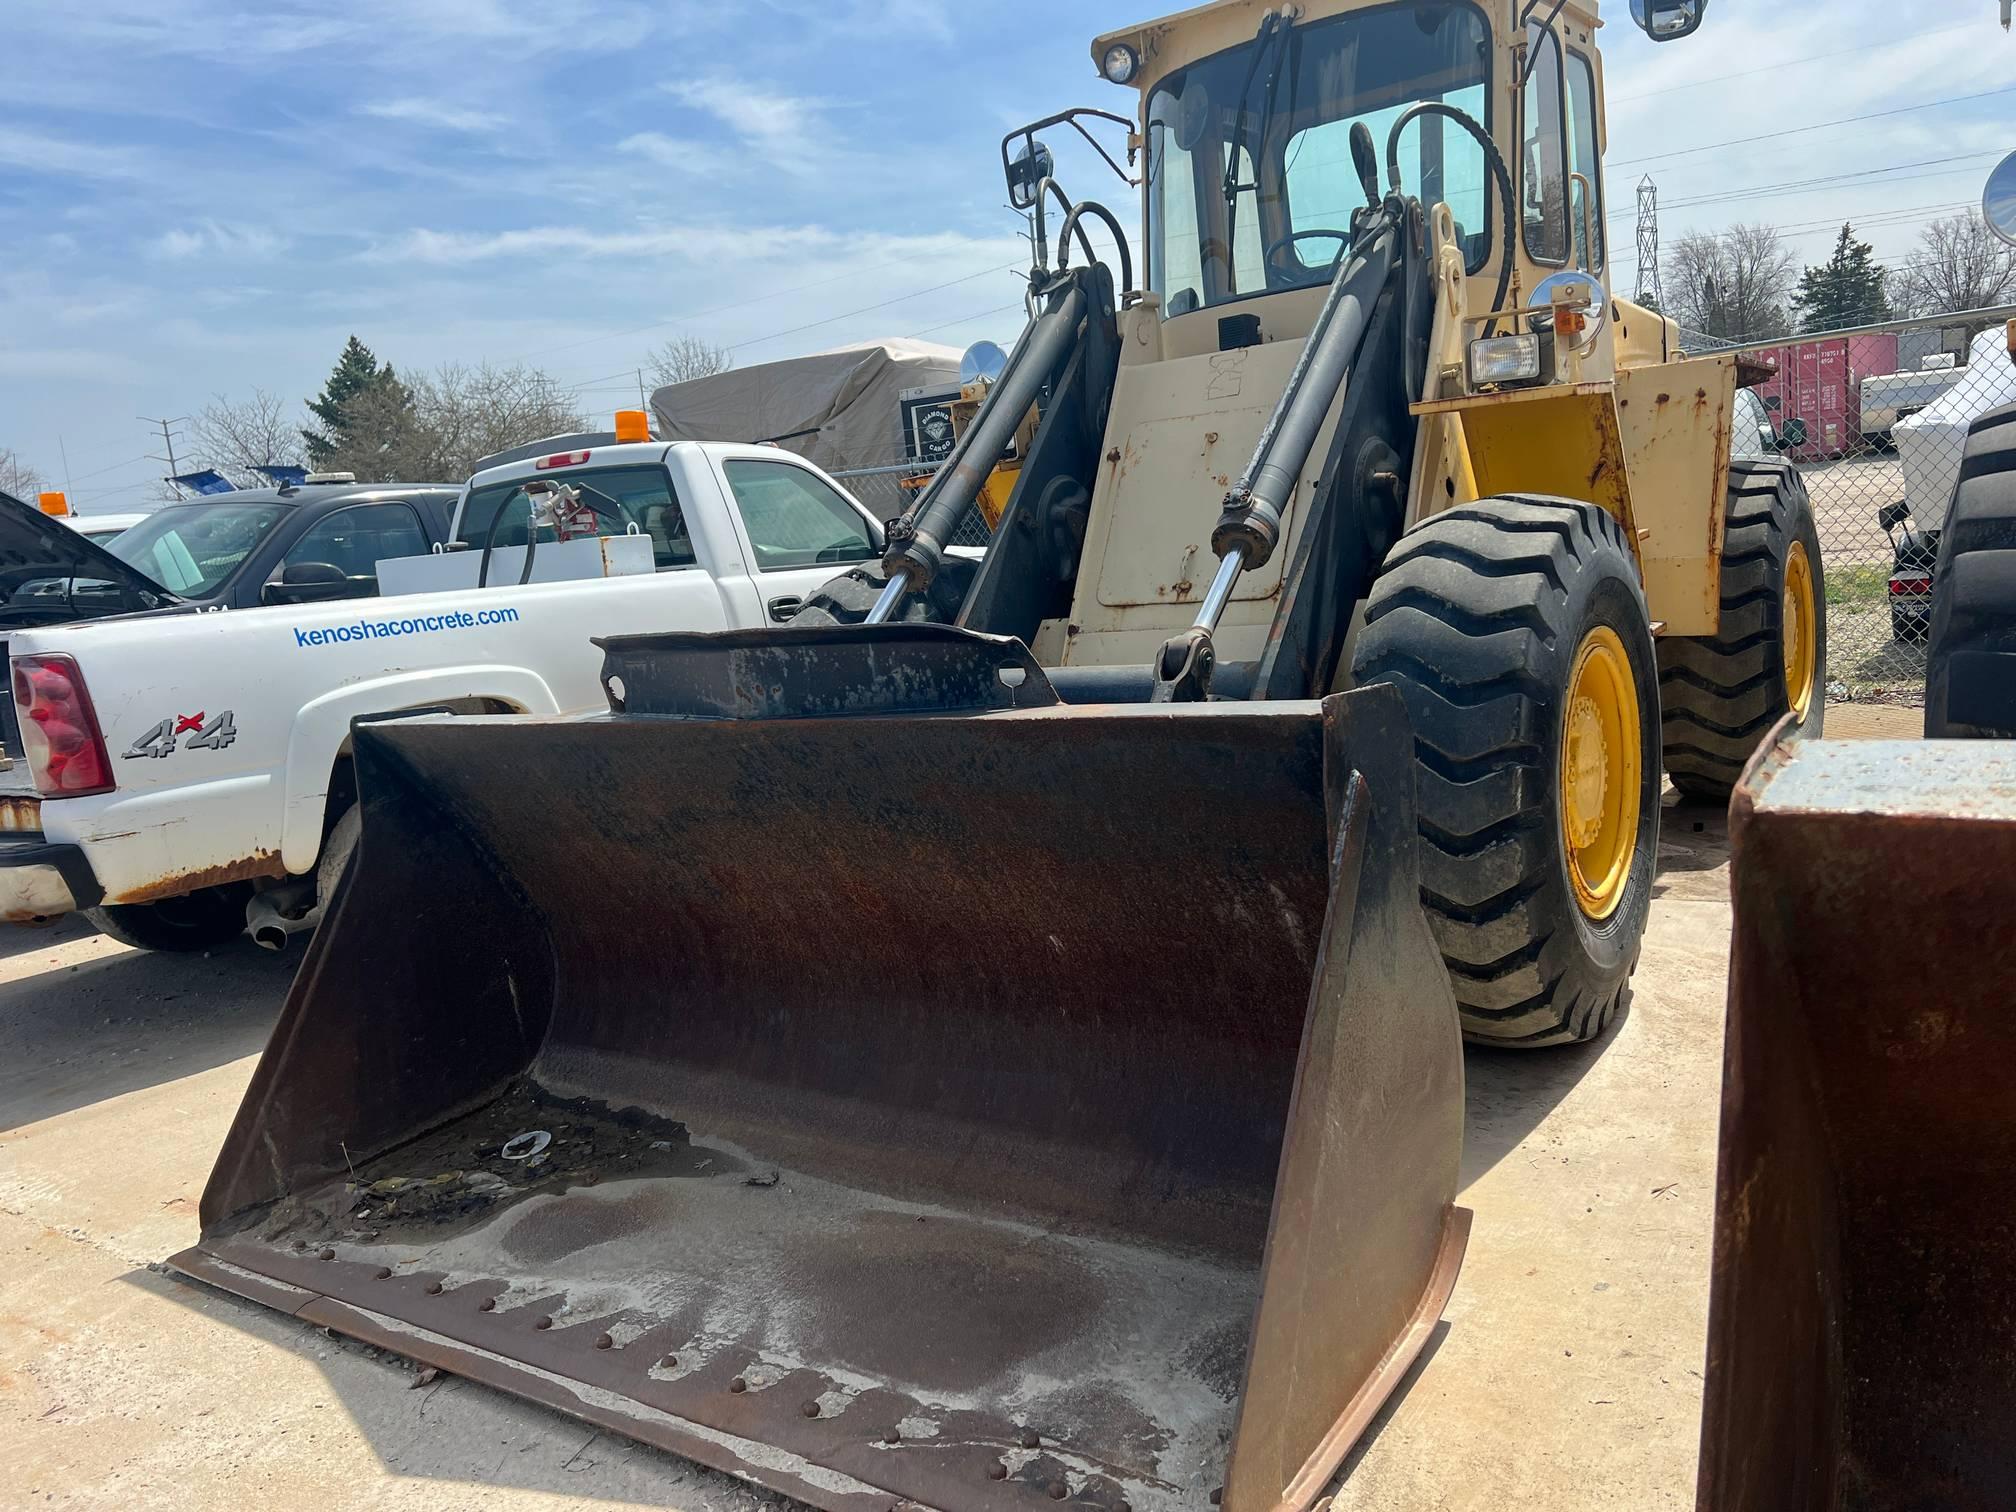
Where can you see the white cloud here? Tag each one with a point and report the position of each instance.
(216, 238)
(786, 131)
(432, 113)
(682, 153)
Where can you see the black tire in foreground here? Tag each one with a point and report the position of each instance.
(1970, 663)
(1721, 694)
(1516, 630)
(197, 921)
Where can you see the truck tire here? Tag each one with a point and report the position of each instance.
(200, 920)
(1516, 630)
(1723, 693)
(1970, 660)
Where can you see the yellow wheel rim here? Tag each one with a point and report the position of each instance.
(1600, 772)
(1800, 621)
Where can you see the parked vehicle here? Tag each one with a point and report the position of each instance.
(1890, 397)
(103, 527)
(178, 777)
(1930, 448)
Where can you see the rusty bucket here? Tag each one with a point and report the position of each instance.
(980, 1102)
(1862, 1332)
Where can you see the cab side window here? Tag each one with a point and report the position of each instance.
(357, 539)
(1544, 191)
(1585, 192)
(794, 519)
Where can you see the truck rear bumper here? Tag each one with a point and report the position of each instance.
(40, 880)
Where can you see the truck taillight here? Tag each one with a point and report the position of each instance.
(59, 729)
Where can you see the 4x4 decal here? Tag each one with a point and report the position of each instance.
(203, 732)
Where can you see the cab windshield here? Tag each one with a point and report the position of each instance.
(1250, 179)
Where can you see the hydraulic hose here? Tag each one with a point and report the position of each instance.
(1093, 207)
(1499, 171)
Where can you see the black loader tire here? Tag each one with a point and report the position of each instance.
(199, 920)
(1480, 616)
(1722, 693)
(1970, 658)
(846, 599)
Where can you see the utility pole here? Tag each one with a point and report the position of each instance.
(168, 444)
(642, 402)
(1648, 290)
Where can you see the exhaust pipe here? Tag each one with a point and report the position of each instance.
(279, 913)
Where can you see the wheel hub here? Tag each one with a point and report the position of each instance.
(1601, 734)
(1797, 618)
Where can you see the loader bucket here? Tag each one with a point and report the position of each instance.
(1862, 1328)
(970, 1109)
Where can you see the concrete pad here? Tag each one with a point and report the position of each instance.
(1863, 721)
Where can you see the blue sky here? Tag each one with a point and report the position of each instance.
(206, 196)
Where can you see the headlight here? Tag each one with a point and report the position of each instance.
(1504, 359)
(1120, 64)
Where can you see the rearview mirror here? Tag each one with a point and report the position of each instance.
(1664, 20)
(1026, 172)
(306, 583)
(1998, 200)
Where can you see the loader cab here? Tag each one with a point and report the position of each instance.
(1248, 181)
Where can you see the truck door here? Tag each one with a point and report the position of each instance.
(799, 530)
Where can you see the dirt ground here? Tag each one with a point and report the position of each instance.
(1566, 1375)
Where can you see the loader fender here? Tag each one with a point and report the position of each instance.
(321, 730)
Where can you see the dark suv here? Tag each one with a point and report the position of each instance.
(295, 545)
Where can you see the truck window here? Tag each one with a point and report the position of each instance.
(191, 549)
(794, 519)
(355, 540)
(623, 496)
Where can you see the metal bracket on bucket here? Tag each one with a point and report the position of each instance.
(820, 672)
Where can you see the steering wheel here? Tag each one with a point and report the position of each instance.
(1273, 256)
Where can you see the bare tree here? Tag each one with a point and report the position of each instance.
(1959, 265)
(17, 477)
(686, 357)
(238, 436)
(1736, 284)
(436, 426)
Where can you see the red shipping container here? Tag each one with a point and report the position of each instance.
(1815, 384)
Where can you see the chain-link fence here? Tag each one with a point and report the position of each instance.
(1876, 419)
(887, 491)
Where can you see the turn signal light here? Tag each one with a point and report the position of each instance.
(59, 728)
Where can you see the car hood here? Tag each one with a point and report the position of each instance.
(35, 548)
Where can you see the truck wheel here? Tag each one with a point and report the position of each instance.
(196, 921)
(1722, 693)
(1516, 630)
(1970, 660)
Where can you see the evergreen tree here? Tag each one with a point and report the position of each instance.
(1846, 290)
(356, 371)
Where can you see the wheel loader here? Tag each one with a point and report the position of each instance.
(996, 1039)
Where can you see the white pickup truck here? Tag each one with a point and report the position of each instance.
(180, 776)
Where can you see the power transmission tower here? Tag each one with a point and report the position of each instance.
(1648, 290)
(168, 444)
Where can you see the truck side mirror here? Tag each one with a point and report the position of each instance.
(1665, 20)
(1794, 433)
(306, 583)
(1890, 516)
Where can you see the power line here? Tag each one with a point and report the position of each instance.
(1776, 68)
(1772, 136)
(1794, 186)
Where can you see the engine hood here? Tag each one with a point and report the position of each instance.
(53, 575)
